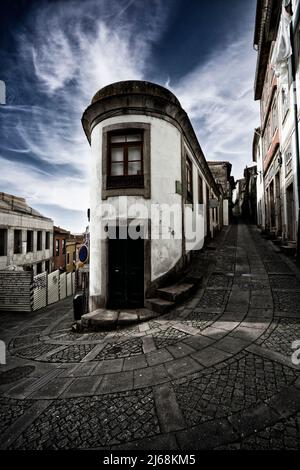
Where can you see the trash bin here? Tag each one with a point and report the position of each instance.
(78, 305)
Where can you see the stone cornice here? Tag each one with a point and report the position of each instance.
(148, 99)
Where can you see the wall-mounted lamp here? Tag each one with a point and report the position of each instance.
(257, 173)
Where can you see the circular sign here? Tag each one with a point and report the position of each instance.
(83, 253)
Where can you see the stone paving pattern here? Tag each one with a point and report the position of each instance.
(215, 373)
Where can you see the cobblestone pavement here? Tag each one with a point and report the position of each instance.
(216, 373)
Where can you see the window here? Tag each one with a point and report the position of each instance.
(29, 247)
(47, 242)
(47, 266)
(267, 138)
(3, 241)
(39, 240)
(68, 258)
(56, 247)
(64, 246)
(125, 160)
(269, 132)
(189, 180)
(39, 268)
(200, 190)
(285, 101)
(17, 242)
(274, 117)
(288, 160)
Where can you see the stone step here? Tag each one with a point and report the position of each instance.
(288, 250)
(211, 246)
(269, 236)
(159, 305)
(176, 293)
(102, 318)
(193, 277)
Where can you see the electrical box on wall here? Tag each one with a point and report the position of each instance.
(213, 203)
(178, 187)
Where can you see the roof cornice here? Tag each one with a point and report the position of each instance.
(144, 98)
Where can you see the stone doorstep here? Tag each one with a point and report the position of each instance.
(102, 318)
(177, 292)
(159, 305)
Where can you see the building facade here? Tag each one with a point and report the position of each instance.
(221, 172)
(146, 160)
(239, 197)
(249, 206)
(275, 149)
(26, 237)
(260, 191)
(60, 237)
(73, 244)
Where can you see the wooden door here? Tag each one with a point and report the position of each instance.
(126, 273)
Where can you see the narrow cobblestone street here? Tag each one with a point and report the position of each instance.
(216, 373)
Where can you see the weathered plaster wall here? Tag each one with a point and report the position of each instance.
(165, 170)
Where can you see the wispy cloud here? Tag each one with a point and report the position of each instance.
(68, 51)
(218, 96)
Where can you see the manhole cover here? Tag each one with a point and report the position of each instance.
(17, 373)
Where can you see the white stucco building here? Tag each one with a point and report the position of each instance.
(26, 237)
(146, 165)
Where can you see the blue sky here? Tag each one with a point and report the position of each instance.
(55, 54)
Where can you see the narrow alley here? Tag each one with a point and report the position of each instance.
(219, 372)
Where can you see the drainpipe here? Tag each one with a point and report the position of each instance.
(293, 64)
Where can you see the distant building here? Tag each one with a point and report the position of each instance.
(222, 173)
(249, 205)
(239, 197)
(26, 236)
(72, 246)
(60, 237)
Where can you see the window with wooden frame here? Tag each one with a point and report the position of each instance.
(189, 179)
(200, 190)
(126, 168)
(125, 159)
